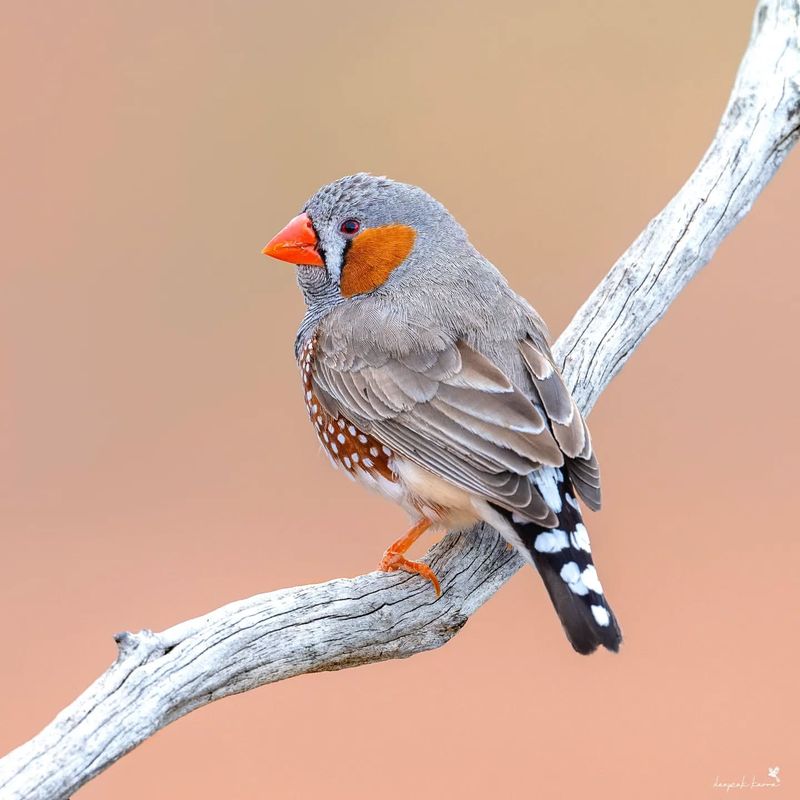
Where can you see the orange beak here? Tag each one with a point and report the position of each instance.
(296, 243)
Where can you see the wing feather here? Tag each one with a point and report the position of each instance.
(456, 413)
(567, 423)
(510, 409)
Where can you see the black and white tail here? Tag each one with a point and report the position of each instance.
(563, 557)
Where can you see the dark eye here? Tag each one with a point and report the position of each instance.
(350, 227)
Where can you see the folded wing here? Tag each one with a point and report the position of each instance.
(458, 415)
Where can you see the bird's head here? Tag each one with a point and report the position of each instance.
(360, 233)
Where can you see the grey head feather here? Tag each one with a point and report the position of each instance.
(375, 202)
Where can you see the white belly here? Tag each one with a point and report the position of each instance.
(425, 493)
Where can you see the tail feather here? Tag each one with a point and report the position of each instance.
(563, 558)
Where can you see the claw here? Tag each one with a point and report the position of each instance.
(393, 561)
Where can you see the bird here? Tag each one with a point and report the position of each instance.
(428, 379)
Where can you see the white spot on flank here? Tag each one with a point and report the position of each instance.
(315, 408)
(580, 538)
(355, 457)
(590, 579)
(386, 450)
(571, 575)
(362, 438)
(351, 430)
(551, 542)
(325, 437)
(347, 462)
(334, 447)
(600, 615)
(373, 451)
(308, 395)
(341, 438)
(340, 423)
(367, 462)
(330, 428)
(319, 420)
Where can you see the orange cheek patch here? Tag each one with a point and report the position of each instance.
(372, 257)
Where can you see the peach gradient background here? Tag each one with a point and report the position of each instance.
(156, 459)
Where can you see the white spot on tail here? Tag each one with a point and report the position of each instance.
(572, 501)
(546, 480)
(580, 538)
(600, 615)
(590, 579)
(571, 575)
(551, 542)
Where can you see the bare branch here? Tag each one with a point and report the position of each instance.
(158, 678)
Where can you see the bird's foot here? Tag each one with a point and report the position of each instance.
(393, 561)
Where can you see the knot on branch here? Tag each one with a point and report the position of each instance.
(143, 646)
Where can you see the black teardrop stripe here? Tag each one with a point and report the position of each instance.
(574, 609)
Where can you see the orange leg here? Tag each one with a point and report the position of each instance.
(393, 559)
